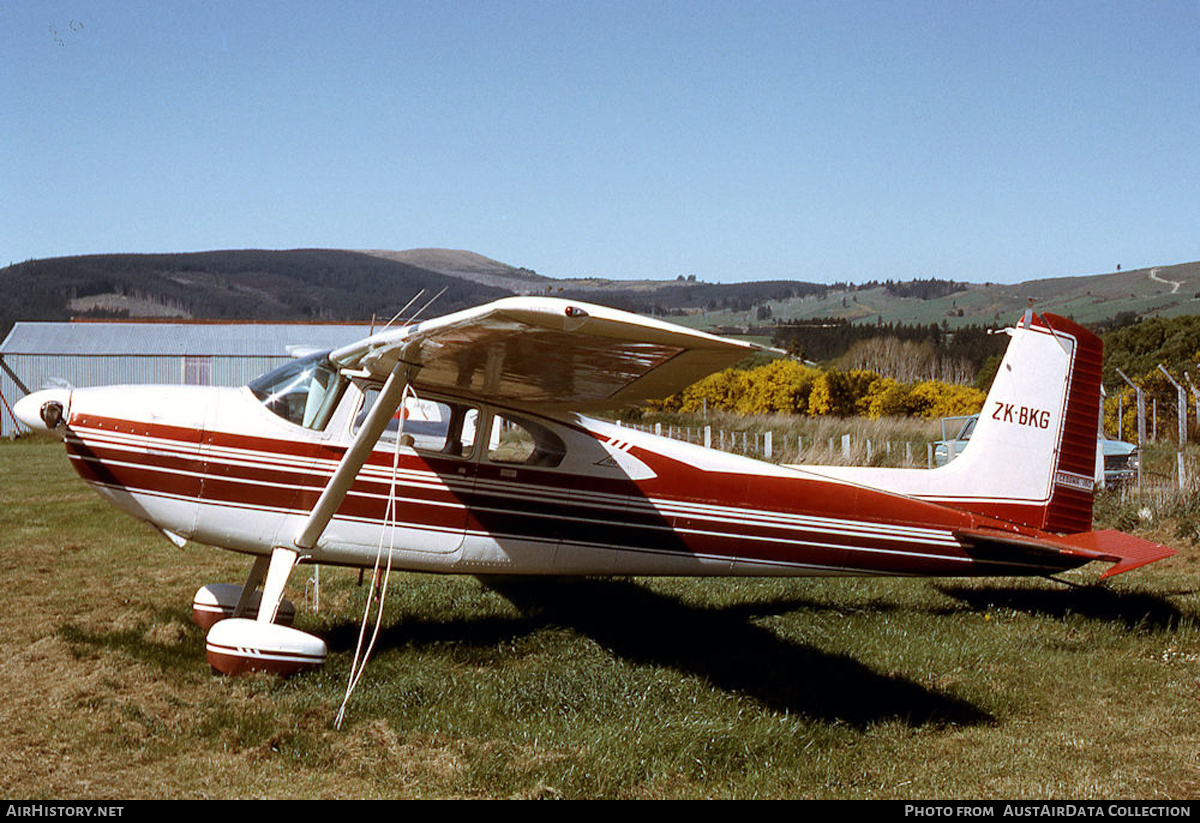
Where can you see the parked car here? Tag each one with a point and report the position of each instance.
(1120, 458)
(1121, 461)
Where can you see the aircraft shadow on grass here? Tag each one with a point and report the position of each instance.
(720, 645)
(1133, 610)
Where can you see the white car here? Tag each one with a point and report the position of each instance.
(1120, 458)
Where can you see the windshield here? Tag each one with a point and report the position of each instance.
(304, 392)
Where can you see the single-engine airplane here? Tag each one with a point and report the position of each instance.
(459, 444)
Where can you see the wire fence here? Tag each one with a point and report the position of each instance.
(781, 446)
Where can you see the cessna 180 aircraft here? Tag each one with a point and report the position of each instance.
(459, 444)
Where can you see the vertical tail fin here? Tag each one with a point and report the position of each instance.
(1032, 456)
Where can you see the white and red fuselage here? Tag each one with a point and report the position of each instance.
(215, 466)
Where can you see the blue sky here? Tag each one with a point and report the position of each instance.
(820, 141)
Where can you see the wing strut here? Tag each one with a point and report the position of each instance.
(372, 429)
(283, 558)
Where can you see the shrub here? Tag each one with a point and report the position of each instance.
(788, 387)
(932, 398)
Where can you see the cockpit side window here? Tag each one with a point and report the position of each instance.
(429, 425)
(304, 392)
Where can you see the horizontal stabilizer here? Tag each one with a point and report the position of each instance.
(1125, 550)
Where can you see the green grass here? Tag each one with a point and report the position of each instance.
(624, 688)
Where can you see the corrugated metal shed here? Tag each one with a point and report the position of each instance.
(111, 353)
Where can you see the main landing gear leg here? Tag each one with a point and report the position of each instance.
(218, 601)
(280, 569)
(240, 645)
(257, 572)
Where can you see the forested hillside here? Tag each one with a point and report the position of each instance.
(678, 297)
(263, 285)
(1138, 350)
(828, 338)
(1140, 347)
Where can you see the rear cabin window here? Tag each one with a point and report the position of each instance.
(520, 441)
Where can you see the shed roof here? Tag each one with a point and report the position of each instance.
(215, 339)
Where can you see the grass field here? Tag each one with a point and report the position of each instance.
(625, 688)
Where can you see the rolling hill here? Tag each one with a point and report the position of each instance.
(335, 285)
(1162, 291)
(470, 266)
(299, 285)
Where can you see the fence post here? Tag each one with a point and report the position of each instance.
(846, 446)
(1195, 395)
(1141, 418)
(1181, 406)
(767, 446)
(708, 437)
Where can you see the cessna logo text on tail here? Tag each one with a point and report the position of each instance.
(1021, 415)
(461, 445)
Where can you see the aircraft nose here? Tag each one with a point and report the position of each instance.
(43, 410)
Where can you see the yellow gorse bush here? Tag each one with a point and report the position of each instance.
(789, 387)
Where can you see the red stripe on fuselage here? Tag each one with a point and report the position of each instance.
(747, 515)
